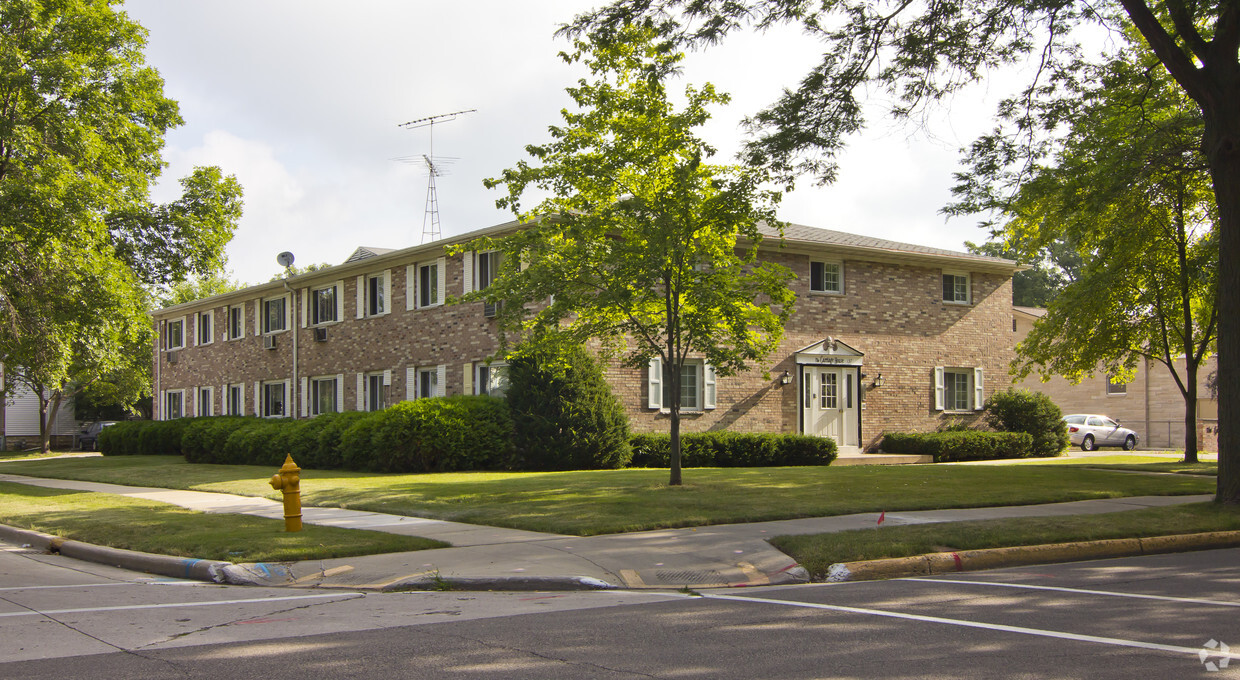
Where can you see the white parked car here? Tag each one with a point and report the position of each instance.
(1091, 431)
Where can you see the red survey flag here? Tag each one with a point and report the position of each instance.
(882, 516)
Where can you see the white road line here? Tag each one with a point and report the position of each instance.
(170, 605)
(1136, 596)
(1193, 651)
(110, 585)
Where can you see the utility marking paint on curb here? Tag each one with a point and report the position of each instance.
(632, 579)
(1135, 596)
(1118, 642)
(169, 605)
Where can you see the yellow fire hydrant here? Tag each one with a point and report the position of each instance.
(289, 481)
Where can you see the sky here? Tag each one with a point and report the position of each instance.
(302, 101)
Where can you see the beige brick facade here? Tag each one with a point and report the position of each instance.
(1151, 404)
(891, 310)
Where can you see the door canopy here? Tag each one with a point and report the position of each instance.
(829, 352)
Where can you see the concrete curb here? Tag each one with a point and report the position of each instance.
(211, 571)
(995, 558)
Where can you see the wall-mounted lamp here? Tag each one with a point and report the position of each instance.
(785, 379)
(878, 380)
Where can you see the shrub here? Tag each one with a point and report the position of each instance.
(204, 438)
(315, 443)
(564, 413)
(121, 439)
(161, 437)
(440, 434)
(1030, 412)
(958, 446)
(733, 449)
(262, 442)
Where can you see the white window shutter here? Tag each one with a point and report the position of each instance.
(467, 276)
(441, 380)
(192, 409)
(305, 397)
(411, 383)
(979, 396)
(224, 401)
(305, 304)
(361, 296)
(258, 317)
(387, 290)
(193, 334)
(468, 375)
(387, 377)
(340, 392)
(939, 391)
(708, 386)
(161, 409)
(258, 398)
(654, 380)
(411, 286)
(361, 392)
(243, 318)
(441, 279)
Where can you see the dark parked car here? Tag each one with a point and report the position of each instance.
(88, 439)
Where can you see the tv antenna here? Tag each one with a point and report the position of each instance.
(430, 219)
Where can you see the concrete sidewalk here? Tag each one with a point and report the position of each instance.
(506, 559)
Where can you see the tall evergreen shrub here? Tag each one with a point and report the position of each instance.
(565, 415)
(1030, 412)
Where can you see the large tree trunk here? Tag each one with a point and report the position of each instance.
(1190, 411)
(1222, 146)
(48, 408)
(672, 375)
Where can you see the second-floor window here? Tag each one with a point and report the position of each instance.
(323, 305)
(428, 285)
(236, 322)
(826, 277)
(176, 334)
(204, 328)
(956, 288)
(274, 314)
(376, 298)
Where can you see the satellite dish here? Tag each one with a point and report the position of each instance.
(285, 259)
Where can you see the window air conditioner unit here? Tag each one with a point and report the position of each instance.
(172, 357)
(269, 342)
(320, 335)
(489, 309)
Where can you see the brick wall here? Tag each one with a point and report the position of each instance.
(891, 312)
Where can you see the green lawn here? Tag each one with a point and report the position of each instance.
(611, 501)
(817, 552)
(148, 526)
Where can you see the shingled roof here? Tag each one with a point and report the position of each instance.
(800, 233)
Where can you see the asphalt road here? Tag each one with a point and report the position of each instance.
(1147, 617)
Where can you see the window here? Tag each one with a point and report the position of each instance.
(236, 400)
(175, 337)
(275, 399)
(1115, 387)
(956, 288)
(323, 305)
(488, 268)
(375, 392)
(376, 302)
(174, 404)
(492, 379)
(428, 382)
(1074, 420)
(236, 322)
(826, 277)
(428, 285)
(204, 328)
(275, 314)
(206, 402)
(958, 389)
(697, 386)
(323, 396)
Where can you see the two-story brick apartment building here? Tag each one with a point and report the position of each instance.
(886, 336)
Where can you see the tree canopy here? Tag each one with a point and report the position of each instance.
(918, 53)
(82, 246)
(642, 242)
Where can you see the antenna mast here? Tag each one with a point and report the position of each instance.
(430, 219)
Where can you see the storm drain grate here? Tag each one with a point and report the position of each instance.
(689, 576)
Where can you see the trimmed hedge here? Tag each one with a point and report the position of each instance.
(143, 438)
(443, 434)
(1033, 412)
(960, 445)
(733, 449)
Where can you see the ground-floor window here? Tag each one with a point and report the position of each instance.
(375, 392)
(275, 399)
(206, 402)
(492, 379)
(697, 386)
(323, 396)
(174, 404)
(236, 400)
(428, 382)
(958, 389)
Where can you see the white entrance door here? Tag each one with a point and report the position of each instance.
(829, 404)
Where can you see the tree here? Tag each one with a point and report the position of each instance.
(1050, 269)
(921, 52)
(642, 243)
(1130, 187)
(81, 129)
